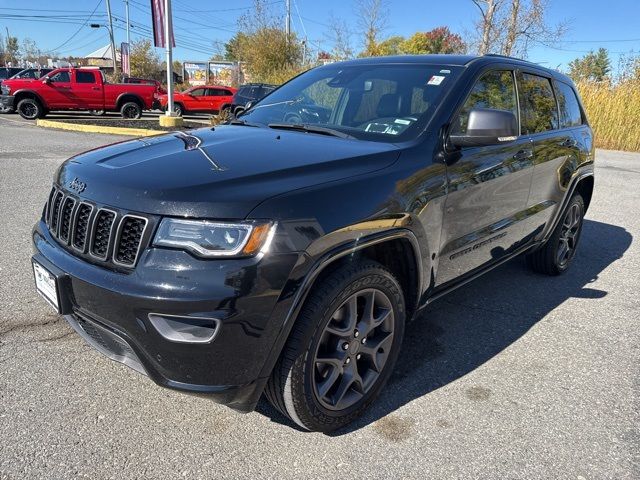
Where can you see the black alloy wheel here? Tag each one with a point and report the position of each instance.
(353, 349)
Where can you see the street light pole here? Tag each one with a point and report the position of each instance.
(113, 43)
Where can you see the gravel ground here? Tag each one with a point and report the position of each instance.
(513, 376)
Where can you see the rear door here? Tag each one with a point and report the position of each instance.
(487, 187)
(88, 90)
(219, 97)
(555, 144)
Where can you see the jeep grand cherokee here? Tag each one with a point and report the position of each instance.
(284, 253)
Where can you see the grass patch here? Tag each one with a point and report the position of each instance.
(614, 113)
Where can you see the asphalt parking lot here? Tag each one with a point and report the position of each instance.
(515, 375)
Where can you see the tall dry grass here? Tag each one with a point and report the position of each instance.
(614, 113)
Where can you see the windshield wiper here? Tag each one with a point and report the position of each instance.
(310, 129)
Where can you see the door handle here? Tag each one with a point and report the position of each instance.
(569, 142)
(96, 88)
(523, 154)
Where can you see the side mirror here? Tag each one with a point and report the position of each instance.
(46, 80)
(487, 127)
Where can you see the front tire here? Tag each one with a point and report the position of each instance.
(342, 348)
(30, 109)
(554, 258)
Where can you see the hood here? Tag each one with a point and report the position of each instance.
(221, 173)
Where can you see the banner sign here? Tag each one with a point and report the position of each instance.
(157, 20)
(222, 73)
(124, 58)
(195, 73)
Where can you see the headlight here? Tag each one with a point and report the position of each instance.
(214, 239)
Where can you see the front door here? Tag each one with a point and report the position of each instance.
(487, 187)
(58, 93)
(196, 100)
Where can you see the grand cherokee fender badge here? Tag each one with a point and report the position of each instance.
(77, 185)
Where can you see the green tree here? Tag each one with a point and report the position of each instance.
(12, 50)
(438, 40)
(594, 66)
(264, 48)
(144, 61)
(391, 46)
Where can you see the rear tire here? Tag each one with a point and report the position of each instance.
(178, 109)
(342, 348)
(30, 109)
(131, 110)
(555, 256)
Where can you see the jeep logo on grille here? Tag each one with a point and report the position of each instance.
(77, 185)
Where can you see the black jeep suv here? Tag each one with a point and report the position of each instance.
(285, 258)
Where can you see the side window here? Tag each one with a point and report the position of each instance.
(61, 77)
(538, 108)
(570, 113)
(85, 77)
(198, 92)
(494, 90)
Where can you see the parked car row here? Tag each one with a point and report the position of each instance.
(35, 92)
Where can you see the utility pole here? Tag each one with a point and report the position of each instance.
(113, 43)
(288, 20)
(126, 4)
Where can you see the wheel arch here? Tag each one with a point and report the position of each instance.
(585, 188)
(129, 97)
(22, 94)
(380, 247)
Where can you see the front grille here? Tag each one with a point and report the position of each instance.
(129, 234)
(102, 229)
(81, 227)
(99, 234)
(65, 218)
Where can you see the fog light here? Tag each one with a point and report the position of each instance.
(181, 329)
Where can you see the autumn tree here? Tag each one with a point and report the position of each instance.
(391, 46)
(144, 60)
(372, 18)
(594, 66)
(438, 40)
(510, 27)
(264, 47)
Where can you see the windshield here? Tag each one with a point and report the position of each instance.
(387, 103)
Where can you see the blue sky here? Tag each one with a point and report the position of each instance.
(613, 24)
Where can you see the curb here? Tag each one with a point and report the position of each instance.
(77, 127)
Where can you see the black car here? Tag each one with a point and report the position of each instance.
(32, 73)
(249, 93)
(8, 72)
(285, 258)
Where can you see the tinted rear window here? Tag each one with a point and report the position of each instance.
(538, 108)
(570, 113)
(85, 77)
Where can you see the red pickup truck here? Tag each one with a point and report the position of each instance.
(76, 89)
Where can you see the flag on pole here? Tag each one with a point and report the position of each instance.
(124, 58)
(157, 19)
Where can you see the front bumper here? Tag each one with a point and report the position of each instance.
(111, 311)
(7, 101)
